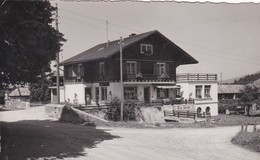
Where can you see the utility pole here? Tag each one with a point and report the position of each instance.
(57, 59)
(121, 79)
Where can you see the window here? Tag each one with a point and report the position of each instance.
(161, 69)
(79, 69)
(104, 93)
(207, 91)
(71, 72)
(198, 91)
(131, 67)
(130, 93)
(102, 68)
(147, 49)
(162, 93)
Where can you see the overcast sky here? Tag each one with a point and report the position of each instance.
(222, 37)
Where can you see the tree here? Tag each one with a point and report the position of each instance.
(249, 96)
(40, 91)
(28, 41)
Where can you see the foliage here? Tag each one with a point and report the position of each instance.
(40, 91)
(249, 96)
(28, 41)
(250, 140)
(248, 79)
(228, 104)
(129, 111)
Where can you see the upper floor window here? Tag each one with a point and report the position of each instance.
(161, 68)
(198, 92)
(147, 49)
(70, 72)
(131, 67)
(102, 68)
(207, 91)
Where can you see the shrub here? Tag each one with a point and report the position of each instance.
(230, 104)
(248, 140)
(114, 110)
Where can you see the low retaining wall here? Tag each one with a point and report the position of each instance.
(54, 110)
(17, 104)
(70, 114)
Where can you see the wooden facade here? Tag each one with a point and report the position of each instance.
(164, 52)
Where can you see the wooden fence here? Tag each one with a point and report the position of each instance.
(185, 114)
(93, 107)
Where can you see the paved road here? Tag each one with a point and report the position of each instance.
(156, 144)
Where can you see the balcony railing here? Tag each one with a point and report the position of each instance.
(145, 77)
(196, 77)
(148, 77)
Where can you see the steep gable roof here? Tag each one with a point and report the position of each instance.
(21, 91)
(101, 51)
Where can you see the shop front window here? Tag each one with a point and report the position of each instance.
(130, 93)
(162, 93)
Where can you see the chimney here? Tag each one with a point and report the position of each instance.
(132, 35)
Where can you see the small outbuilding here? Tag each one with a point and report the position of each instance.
(229, 91)
(20, 94)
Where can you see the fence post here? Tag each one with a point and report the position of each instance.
(173, 114)
(188, 114)
(164, 112)
(194, 116)
(246, 128)
(242, 127)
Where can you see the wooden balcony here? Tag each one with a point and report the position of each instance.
(148, 77)
(187, 77)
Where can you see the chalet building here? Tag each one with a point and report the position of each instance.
(149, 63)
(230, 91)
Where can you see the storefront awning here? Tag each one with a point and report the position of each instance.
(167, 87)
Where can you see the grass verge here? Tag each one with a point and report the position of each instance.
(218, 121)
(249, 140)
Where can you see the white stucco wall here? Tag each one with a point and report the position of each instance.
(62, 95)
(189, 87)
(72, 89)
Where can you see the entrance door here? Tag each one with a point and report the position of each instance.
(97, 95)
(147, 94)
(88, 96)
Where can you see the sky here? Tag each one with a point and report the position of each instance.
(224, 38)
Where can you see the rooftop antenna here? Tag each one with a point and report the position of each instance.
(221, 78)
(107, 27)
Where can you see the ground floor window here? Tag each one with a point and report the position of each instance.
(103, 93)
(162, 93)
(130, 93)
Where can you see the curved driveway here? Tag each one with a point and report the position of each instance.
(156, 144)
(171, 144)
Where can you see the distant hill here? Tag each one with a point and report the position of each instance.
(247, 79)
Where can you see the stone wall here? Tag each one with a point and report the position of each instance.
(54, 110)
(13, 104)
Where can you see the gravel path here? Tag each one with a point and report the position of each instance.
(179, 144)
(33, 113)
(156, 144)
